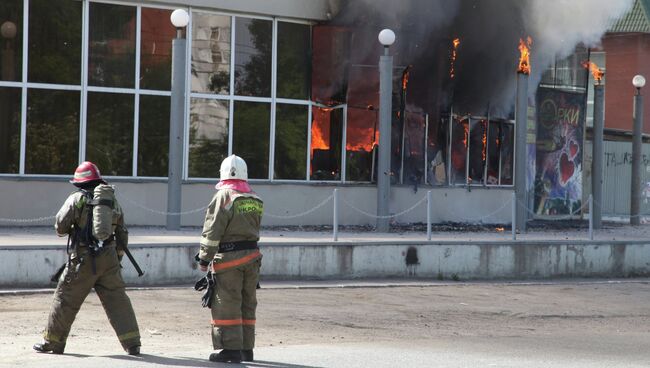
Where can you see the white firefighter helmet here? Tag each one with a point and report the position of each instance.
(233, 167)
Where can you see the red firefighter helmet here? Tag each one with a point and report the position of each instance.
(86, 172)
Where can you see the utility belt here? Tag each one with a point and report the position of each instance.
(238, 245)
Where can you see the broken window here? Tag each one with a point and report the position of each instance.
(458, 150)
(477, 150)
(362, 135)
(437, 136)
(326, 136)
(413, 148)
(507, 153)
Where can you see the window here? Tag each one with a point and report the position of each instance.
(362, 136)
(210, 53)
(326, 137)
(507, 153)
(156, 36)
(111, 48)
(253, 39)
(10, 99)
(414, 143)
(291, 142)
(251, 136)
(437, 137)
(54, 41)
(294, 61)
(11, 45)
(208, 136)
(458, 156)
(109, 132)
(153, 137)
(477, 150)
(52, 145)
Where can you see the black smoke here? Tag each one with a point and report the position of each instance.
(489, 32)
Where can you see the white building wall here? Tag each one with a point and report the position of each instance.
(302, 9)
(145, 203)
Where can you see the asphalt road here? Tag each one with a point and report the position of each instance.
(560, 324)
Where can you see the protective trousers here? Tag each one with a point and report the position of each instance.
(74, 286)
(233, 307)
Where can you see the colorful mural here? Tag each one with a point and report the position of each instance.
(559, 145)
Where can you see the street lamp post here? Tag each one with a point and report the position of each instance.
(386, 38)
(179, 19)
(597, 155)
(635, 191)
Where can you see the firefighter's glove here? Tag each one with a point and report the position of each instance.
(203, 265)
(206, 283)
(120, 255)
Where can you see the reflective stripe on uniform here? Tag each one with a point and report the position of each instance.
(51, 338)
(235, 262)
(227, 322)
(129, 335)
(248, 322)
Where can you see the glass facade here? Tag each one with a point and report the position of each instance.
(54, 42)
(93, 82)
(251, 135)
(11, 50)
(111, 45)
(52, 145)
(10, 130)
(291, 142)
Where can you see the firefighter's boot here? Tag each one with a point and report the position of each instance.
(226, 356)
(247, 355)
(134, 350)
(46, 347)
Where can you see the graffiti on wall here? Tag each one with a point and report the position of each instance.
(559, 146)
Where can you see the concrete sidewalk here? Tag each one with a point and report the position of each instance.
(45, 236)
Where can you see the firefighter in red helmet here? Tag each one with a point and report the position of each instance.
(92, 219)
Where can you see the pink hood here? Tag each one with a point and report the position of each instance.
(235, 184)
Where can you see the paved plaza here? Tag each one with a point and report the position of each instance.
(371, 323)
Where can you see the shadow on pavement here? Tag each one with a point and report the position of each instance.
(194, 362)
(157, 359)
(267, 364)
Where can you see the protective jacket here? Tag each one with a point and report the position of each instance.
(232, 220)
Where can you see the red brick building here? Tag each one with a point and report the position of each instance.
(627, 53)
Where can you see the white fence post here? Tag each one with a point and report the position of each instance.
(335, 221)
(514, 216)
(591, 217)
(429, 203)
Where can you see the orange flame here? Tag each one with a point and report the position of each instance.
(595, 70)
(484, 140)
(454, 54)
(465, 133)
(499, 229)
(405, 77)
(360, 142)
(318, 139)
(524, 58)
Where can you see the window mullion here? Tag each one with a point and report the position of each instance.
(274, 85)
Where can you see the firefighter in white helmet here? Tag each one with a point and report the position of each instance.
(229, 250)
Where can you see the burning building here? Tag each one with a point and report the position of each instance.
(292, 89)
